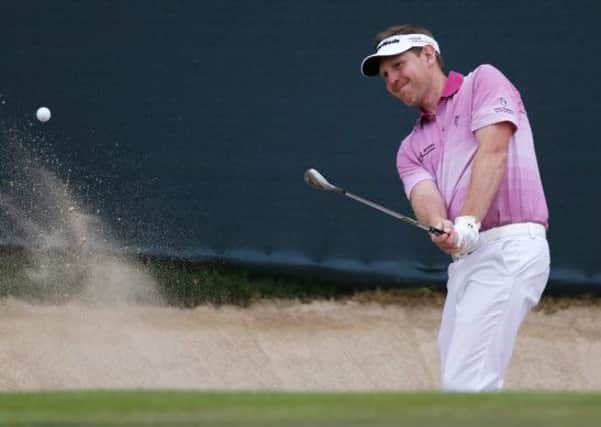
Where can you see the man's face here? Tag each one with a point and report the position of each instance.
(407, 77)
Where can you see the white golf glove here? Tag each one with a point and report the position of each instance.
(467, 229)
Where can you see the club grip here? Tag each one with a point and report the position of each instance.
(436, 231)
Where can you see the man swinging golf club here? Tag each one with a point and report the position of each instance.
(469, 168)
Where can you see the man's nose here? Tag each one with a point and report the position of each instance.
(392, 80)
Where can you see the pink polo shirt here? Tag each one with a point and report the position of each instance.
(442, 145)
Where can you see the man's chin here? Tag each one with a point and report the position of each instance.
(409, 102)
(406, 98)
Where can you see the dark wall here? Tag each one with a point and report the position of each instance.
(188, 125)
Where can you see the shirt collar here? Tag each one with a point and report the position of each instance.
(452, 85)
(454, 81)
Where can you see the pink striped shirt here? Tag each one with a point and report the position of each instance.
(442, 145)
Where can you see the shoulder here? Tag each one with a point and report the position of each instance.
(415, 136)
(487, 74)
(487, 69)
(408, 144)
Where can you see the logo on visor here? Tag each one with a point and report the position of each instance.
(387, 42)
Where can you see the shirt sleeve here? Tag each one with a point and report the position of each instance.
(409, 167)
(495, 99)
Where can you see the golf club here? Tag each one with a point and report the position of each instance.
(316, 180)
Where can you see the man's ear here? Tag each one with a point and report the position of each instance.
(430, 53)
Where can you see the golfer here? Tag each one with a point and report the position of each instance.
(469, 167)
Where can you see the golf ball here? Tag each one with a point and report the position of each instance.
(43, 114)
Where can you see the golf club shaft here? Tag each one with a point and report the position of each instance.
(316, 180)
(394, 214)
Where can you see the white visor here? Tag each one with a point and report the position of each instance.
(395, 45)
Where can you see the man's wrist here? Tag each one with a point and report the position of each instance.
(475, 218)
(469, 221)
(466, 227)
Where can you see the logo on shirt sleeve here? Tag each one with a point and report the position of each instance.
(502, 106)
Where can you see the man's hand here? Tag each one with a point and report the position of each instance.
(466, 229)
(446, 241)
(459, 239)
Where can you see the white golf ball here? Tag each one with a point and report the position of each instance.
(43, 114)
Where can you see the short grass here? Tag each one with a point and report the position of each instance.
(185, 283)
(164, 408)
(182, 283)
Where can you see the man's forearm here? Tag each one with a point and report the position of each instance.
(488, 169)
(427, 203)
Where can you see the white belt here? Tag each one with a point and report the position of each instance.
(531, 229)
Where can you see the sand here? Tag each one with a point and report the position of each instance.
(320, 346)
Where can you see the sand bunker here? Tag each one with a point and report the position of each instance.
(271, 346)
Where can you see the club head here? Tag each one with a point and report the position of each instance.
(316, 180)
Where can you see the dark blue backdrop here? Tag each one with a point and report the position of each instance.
(189, 124)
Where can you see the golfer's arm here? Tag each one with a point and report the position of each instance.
(488, 168)
(427, 203)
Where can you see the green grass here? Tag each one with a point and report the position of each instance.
(185, 283)
(192, 283)
(130, 408)
(181, 283)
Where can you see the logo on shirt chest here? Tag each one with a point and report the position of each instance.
(427, 150)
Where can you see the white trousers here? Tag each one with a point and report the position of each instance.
(489, 294)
